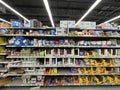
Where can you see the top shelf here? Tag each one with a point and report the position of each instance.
(28, 28)
(95, 29)
(34, 28)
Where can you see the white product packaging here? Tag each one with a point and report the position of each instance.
(87, 25)
(26, 24)
(67, 23)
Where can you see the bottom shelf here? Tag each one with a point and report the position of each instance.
(19, 83)
(47, 83)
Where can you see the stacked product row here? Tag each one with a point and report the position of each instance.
(63, 32)
(21, 41)
(67, 71)
(65, 80)
(108, 33)
(64, 62)
(63, 52)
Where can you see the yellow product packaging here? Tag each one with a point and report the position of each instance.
(110, 79)
(103, 79)
(117, 79)
(100, 70)
(55, 70)
(4, 25)
(96, 79)
(93, 53)
(93, 62)
(104, 62)
(2, 40)
(87, 80)
(79, 71)
(2, 49)
(84, 70)
(80, 80)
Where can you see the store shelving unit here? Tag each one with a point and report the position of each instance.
(62, 73)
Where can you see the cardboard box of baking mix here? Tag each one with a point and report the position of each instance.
(87, 25)
(67, 23)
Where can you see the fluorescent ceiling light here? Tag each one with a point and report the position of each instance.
(12, 9)
(49, 11)
(89, 10)
(3, 20)
(115, 18)
(110, 20)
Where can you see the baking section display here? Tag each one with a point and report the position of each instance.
(60, 57)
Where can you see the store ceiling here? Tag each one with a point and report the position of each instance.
(63, 10)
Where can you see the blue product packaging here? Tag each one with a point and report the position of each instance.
(31, 42)
(52, 32)
(47, 42)
(81, 53)
(41, 32)
(2, 31)
(16, 23)
(18, 41)
(51, 42)
(61, 42)
(11, 41)
(26, 42)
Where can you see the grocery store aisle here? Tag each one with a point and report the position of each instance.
(68, 88)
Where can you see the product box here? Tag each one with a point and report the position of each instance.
(67, 23)
(117, 61)
(33, 80)
(105, 26)
(3, 24)
(61, 31)
(71, 24)
(35, 23)
(87, 25)
(16, 23)
(64, 23)
(26, 24)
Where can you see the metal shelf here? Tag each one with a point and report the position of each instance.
(3, 70)
(4, 62)
(84, 36)
(14, 66)
(3, 44)
(25, 57)
(61, 57)
(29, 28)
(65, 46)
(62, 73)
(96, 29)
(3, 54)
(34, 28)
(20, 83)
